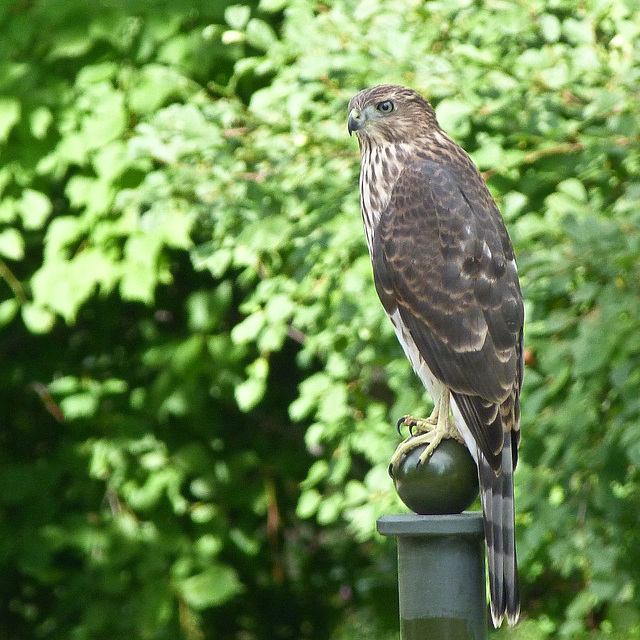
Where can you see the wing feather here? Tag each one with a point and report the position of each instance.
(442, 255)
(443, 259)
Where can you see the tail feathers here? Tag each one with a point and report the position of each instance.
(499, 525)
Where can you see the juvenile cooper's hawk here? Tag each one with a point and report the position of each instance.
(445, 271)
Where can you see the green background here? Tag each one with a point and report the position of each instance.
(198, 384)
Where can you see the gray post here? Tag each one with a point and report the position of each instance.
(441, 578)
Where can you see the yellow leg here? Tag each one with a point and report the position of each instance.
(430, 431)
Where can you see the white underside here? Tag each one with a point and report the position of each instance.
(431, 383)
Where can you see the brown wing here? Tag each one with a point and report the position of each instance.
(442, 255)
(443, 259)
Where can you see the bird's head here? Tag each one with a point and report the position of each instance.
(388, 113)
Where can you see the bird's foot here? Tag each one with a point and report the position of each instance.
(421, 434)
(430, 431)
(417, 426)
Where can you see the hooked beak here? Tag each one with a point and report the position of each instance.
(356, 121)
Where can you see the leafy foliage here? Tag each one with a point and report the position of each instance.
(198, 379)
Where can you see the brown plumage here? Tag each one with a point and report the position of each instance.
(445, 271)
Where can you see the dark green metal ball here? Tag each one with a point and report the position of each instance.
(447, 482)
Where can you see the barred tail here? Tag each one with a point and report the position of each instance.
(496, 493)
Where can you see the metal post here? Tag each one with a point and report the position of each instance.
(441, 577)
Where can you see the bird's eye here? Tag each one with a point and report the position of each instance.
(385, 107)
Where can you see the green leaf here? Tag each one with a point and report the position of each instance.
(330, 509)
(267, 234)
(79, 405)
(154, 85)
(208, 546)
(40, 120)
(63, 286)
(5, 178)
(578, 31)
(203, 513)
(107, 119)
(260, 34)
(34, 208)
(210, 588)
(11, 244)
(9, 116)
(512, 204)
(140, 268)
(308, 503)
(272, 6)
(574, 188)
(550, 26)
(8, 310)
(8, 210)
(110, 162)
(237, 16)
(37, 319)
(555, 77)
(249, 329)
(279, 308)
(318, 472)
(70, 44)
(62, 231)
(207, 308)
(95, 195)
(453, 117)
(250, 392)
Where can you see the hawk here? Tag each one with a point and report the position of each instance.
(445, 272)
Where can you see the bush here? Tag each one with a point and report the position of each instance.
(200, 384)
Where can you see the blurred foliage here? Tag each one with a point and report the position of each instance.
(198, 382)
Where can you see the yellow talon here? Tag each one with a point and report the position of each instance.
(429, 431)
